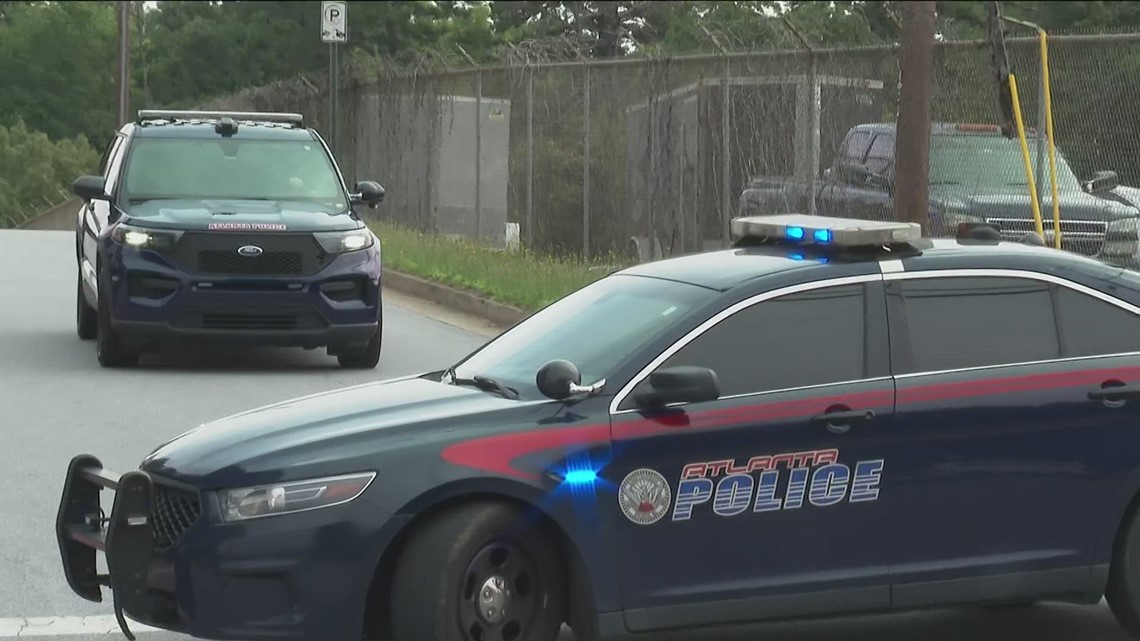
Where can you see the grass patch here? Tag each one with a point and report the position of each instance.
(524, 279)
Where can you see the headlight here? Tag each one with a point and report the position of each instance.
(296, 496)
(144, 238)
(1122, 237)
(337, 242)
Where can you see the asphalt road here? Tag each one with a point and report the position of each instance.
(55, 401)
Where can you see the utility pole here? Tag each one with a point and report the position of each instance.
(912, 140)
(123, 60)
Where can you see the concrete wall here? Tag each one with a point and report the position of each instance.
(61, 217)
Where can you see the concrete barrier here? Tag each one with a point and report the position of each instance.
(60, 217)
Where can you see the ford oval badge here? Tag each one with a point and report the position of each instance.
(249, 250)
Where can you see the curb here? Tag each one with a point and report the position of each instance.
(456, 299)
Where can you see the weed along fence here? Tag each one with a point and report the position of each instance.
(647, 157)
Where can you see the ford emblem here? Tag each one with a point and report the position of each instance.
(249, 250)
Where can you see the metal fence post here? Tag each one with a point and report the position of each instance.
(586, 168)
(478, 154)
(726, 158)
(529, 155)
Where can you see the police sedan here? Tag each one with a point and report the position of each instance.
(833, 416)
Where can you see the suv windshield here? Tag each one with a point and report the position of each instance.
(990, 163)
(596, 328)
(185, 168)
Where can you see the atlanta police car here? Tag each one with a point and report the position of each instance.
(833, 416)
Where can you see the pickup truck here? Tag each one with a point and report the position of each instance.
(976, 175)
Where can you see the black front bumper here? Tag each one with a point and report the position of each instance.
(127, 537)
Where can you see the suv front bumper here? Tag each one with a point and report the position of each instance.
(303, 576)
(154, 302)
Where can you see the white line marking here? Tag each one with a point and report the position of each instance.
(66, 626)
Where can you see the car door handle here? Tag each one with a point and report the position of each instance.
(1110, 393)
(840, 421)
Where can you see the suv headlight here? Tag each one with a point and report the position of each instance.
(338, 242)
(1122, 237)
(296, 496)
(144, 238)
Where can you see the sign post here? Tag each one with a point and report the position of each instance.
(334, 30)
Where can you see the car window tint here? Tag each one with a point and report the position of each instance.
(1092, 327)
(974, 322)
(856, 146)
(880, 155)
(809, 338)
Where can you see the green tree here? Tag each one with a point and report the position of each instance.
(34, 170)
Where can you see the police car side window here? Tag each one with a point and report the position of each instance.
(809, 338)
(976, 322)
(1092, 327)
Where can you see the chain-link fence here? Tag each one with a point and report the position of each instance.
(650, 157)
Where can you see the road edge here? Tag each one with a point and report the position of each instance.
(494, 315)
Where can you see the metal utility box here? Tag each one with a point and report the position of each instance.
(427, 161)
(679, 181)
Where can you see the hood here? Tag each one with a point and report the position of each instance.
(323, 433)
(1074, 205)
(243, 215)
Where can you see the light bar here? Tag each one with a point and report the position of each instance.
(800, 229)
(255, 116)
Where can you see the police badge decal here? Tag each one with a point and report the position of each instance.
(644, 496)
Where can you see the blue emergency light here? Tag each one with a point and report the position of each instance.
(803, 230)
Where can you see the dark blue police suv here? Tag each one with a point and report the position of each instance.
(833, 416)
(230, 228)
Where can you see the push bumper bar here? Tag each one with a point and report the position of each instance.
(126, 538)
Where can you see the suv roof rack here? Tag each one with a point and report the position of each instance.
(823, 232)
(294, 119)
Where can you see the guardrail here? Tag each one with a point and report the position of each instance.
(23, 218)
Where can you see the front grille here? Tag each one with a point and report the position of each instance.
(1078, 236)
(216, 254)
(249, 321)
(250, 318)
(175, 510)
(220, 262)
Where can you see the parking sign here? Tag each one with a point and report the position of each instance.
(334, 22)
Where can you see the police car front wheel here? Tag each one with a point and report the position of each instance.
(1123, 589)
(472, 574)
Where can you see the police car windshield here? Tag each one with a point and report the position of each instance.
(596, 328)
(187, 168)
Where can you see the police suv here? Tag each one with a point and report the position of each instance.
(833, 416)
(227, 228)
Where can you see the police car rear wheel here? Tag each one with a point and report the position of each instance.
(86, 321)
(473, 574)
(1123, 589)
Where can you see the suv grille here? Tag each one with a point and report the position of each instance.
(216, 254)
(1078, 236)
(175, 510)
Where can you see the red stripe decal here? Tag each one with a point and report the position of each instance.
(496, 453)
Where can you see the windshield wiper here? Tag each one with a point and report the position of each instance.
(485, 383)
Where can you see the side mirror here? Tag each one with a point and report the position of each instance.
(684, 384)
(853, 173)
(560, 379)
(369, 193)
(1102, 181)
(90, 188)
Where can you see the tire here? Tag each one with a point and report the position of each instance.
(86, 318)
(1123, 589)
(369, 357)
(465, 556)
(110, 349)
